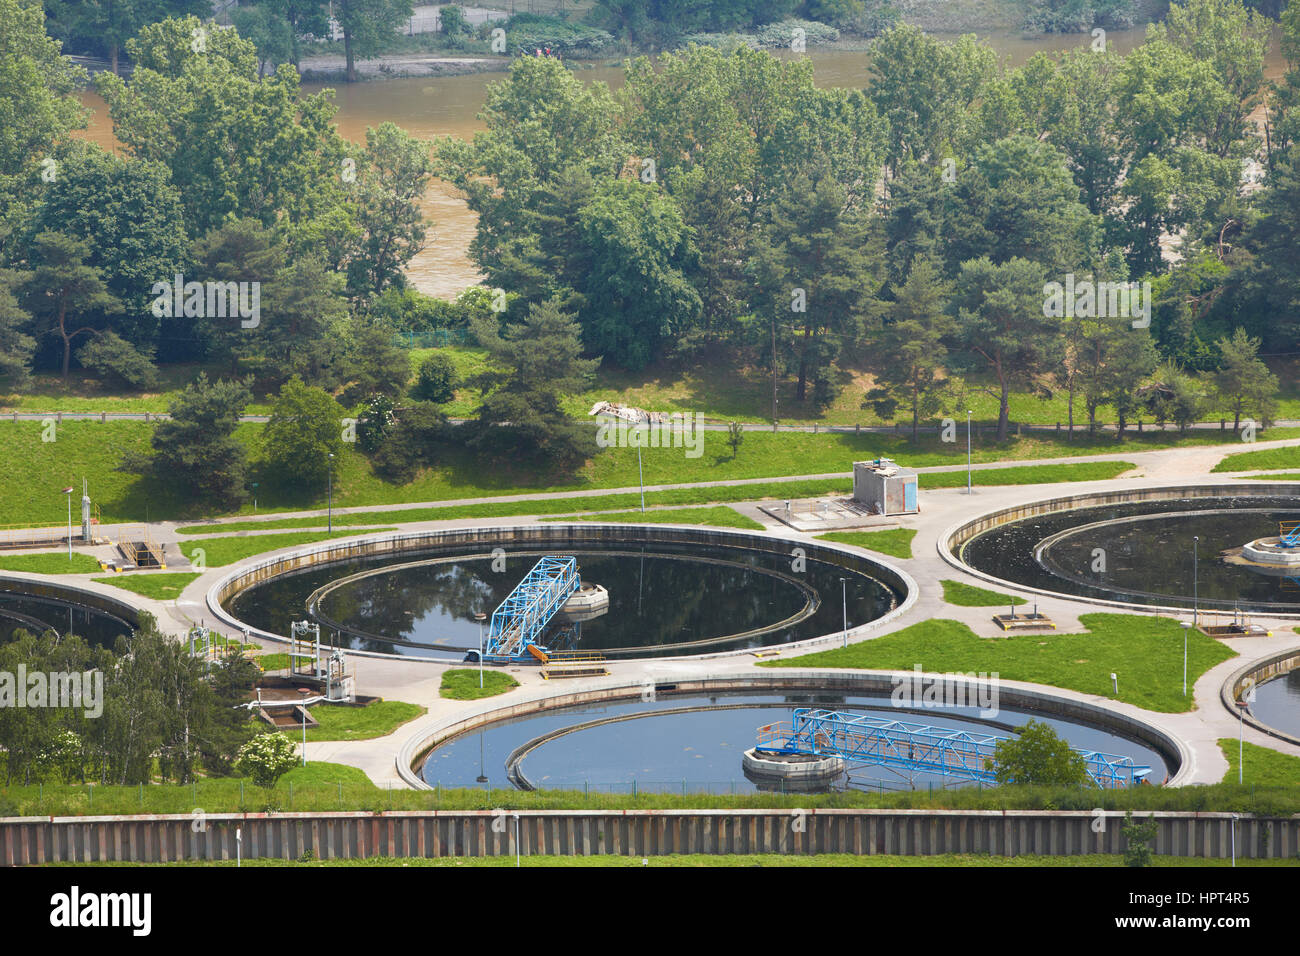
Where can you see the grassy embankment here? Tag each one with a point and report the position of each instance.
(1146, 653)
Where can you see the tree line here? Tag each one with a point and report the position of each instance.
(914, 226)
(163, 714)
(719, 203)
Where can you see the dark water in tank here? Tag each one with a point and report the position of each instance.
(701, 750)
(1144, 553)
(660, 599)
(33, 614)
(1277, 703)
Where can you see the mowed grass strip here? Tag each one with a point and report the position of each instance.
(52, 562)
(716, 494)
(216, 552)
(1146, 653)
(462, 683)
(720, 516)
(896, 542)
(377, 719)
(968, 595)
(161, 587)
(1263, 767)
(1267, 458)
(1027, 474)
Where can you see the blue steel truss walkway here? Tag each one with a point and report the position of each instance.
(521, 619)
(917, 748)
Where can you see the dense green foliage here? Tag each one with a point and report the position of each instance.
(158, 715)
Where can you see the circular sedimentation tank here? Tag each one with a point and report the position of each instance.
(699, 742)
(39, 606)
(1217, 551)
(657, 595)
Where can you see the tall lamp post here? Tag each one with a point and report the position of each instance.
(844, 607)
(1187, 625)
(304, 691)
(1196, 576)
(479, 616)
(331, 492)
(68, 491)
(968, 477)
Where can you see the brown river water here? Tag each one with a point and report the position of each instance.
(449, 106)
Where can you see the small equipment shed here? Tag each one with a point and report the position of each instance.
(884, 487)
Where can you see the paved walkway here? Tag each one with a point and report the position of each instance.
(418, 681)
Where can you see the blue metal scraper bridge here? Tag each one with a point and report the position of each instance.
(521, 619)
(916, 748)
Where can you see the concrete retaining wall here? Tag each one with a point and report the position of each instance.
(73, 595)
(28, 840)
(1258, 672)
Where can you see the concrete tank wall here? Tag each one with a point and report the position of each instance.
(557, 537)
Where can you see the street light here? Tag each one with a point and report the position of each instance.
(1247, 698)
(968, 478)
(1196, 548)
(331, 493)
(304, 691)
(479, 616)
(1186, 626)
(844, 607)
(640, 475)
(68, 491)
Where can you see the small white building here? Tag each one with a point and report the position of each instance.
(885, 487)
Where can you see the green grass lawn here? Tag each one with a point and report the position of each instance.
(719, 516)
(160, 587)
(1027, 474)
(28, 488)
(566, 505)
(896, 542)
(1146, 653)
(1276, 476)
(462, 683)
(968, 595)
(1263, 767)
(220, 551)
(1266, 458)
(324, 786)
(52, 562)
(338, 722)
(811, 488)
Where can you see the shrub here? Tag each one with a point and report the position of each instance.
(266, 758)
(436, 380)
(116, 362)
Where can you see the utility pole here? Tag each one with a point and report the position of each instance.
(774, 372)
